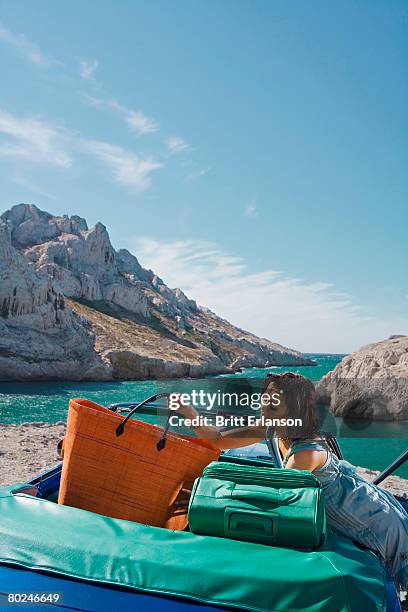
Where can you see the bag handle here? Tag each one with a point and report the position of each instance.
(256, 493)
(121, 427)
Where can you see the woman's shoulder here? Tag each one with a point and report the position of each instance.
(308, 454)
(307, 460)
(308, 444)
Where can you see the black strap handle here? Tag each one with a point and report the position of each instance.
(391, 468)
(121, 427)
(332, 444)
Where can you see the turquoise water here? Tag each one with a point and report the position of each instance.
(29, 402)
(325, 363)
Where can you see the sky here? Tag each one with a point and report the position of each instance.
(252, 152)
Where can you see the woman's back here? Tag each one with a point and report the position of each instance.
(358, 509)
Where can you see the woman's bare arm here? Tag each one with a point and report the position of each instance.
(232, 438)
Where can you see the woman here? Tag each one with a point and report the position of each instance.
(357, 509)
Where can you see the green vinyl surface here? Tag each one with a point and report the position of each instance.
(43, 536)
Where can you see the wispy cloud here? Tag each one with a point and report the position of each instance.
(24, 47)
(33, 140)
(196, 174)
(87, 68)
(175, 144)
(37, 141)
(127, 167)
(138, 122)
(251, 210)
(311, 316)
(31, 187)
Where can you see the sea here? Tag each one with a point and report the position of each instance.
(374, 447)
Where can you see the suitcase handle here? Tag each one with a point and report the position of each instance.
(256, 493)
(121, 427)
(251, 526)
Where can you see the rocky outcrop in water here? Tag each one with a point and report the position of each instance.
(100, 306)
(371, 383)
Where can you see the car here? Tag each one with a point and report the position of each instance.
(73, 559)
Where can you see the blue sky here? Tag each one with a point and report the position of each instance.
(253, 153)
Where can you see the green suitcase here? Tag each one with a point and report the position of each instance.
(279, 507)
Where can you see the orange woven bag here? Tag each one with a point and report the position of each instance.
(128, 477)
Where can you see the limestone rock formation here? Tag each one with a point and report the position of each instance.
(135, 326)
(40, 337)
(371, 383)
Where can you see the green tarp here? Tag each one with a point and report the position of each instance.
(41, 535)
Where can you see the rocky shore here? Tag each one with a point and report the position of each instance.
(30, 448)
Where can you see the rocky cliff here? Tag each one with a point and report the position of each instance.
(40, 337)
(72, 307)
(371, 383)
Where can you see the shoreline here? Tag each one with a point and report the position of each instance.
(227, 371)
(27, 449)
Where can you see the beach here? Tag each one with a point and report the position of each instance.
(28, 449)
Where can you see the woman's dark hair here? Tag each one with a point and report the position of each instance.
(299, 396)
